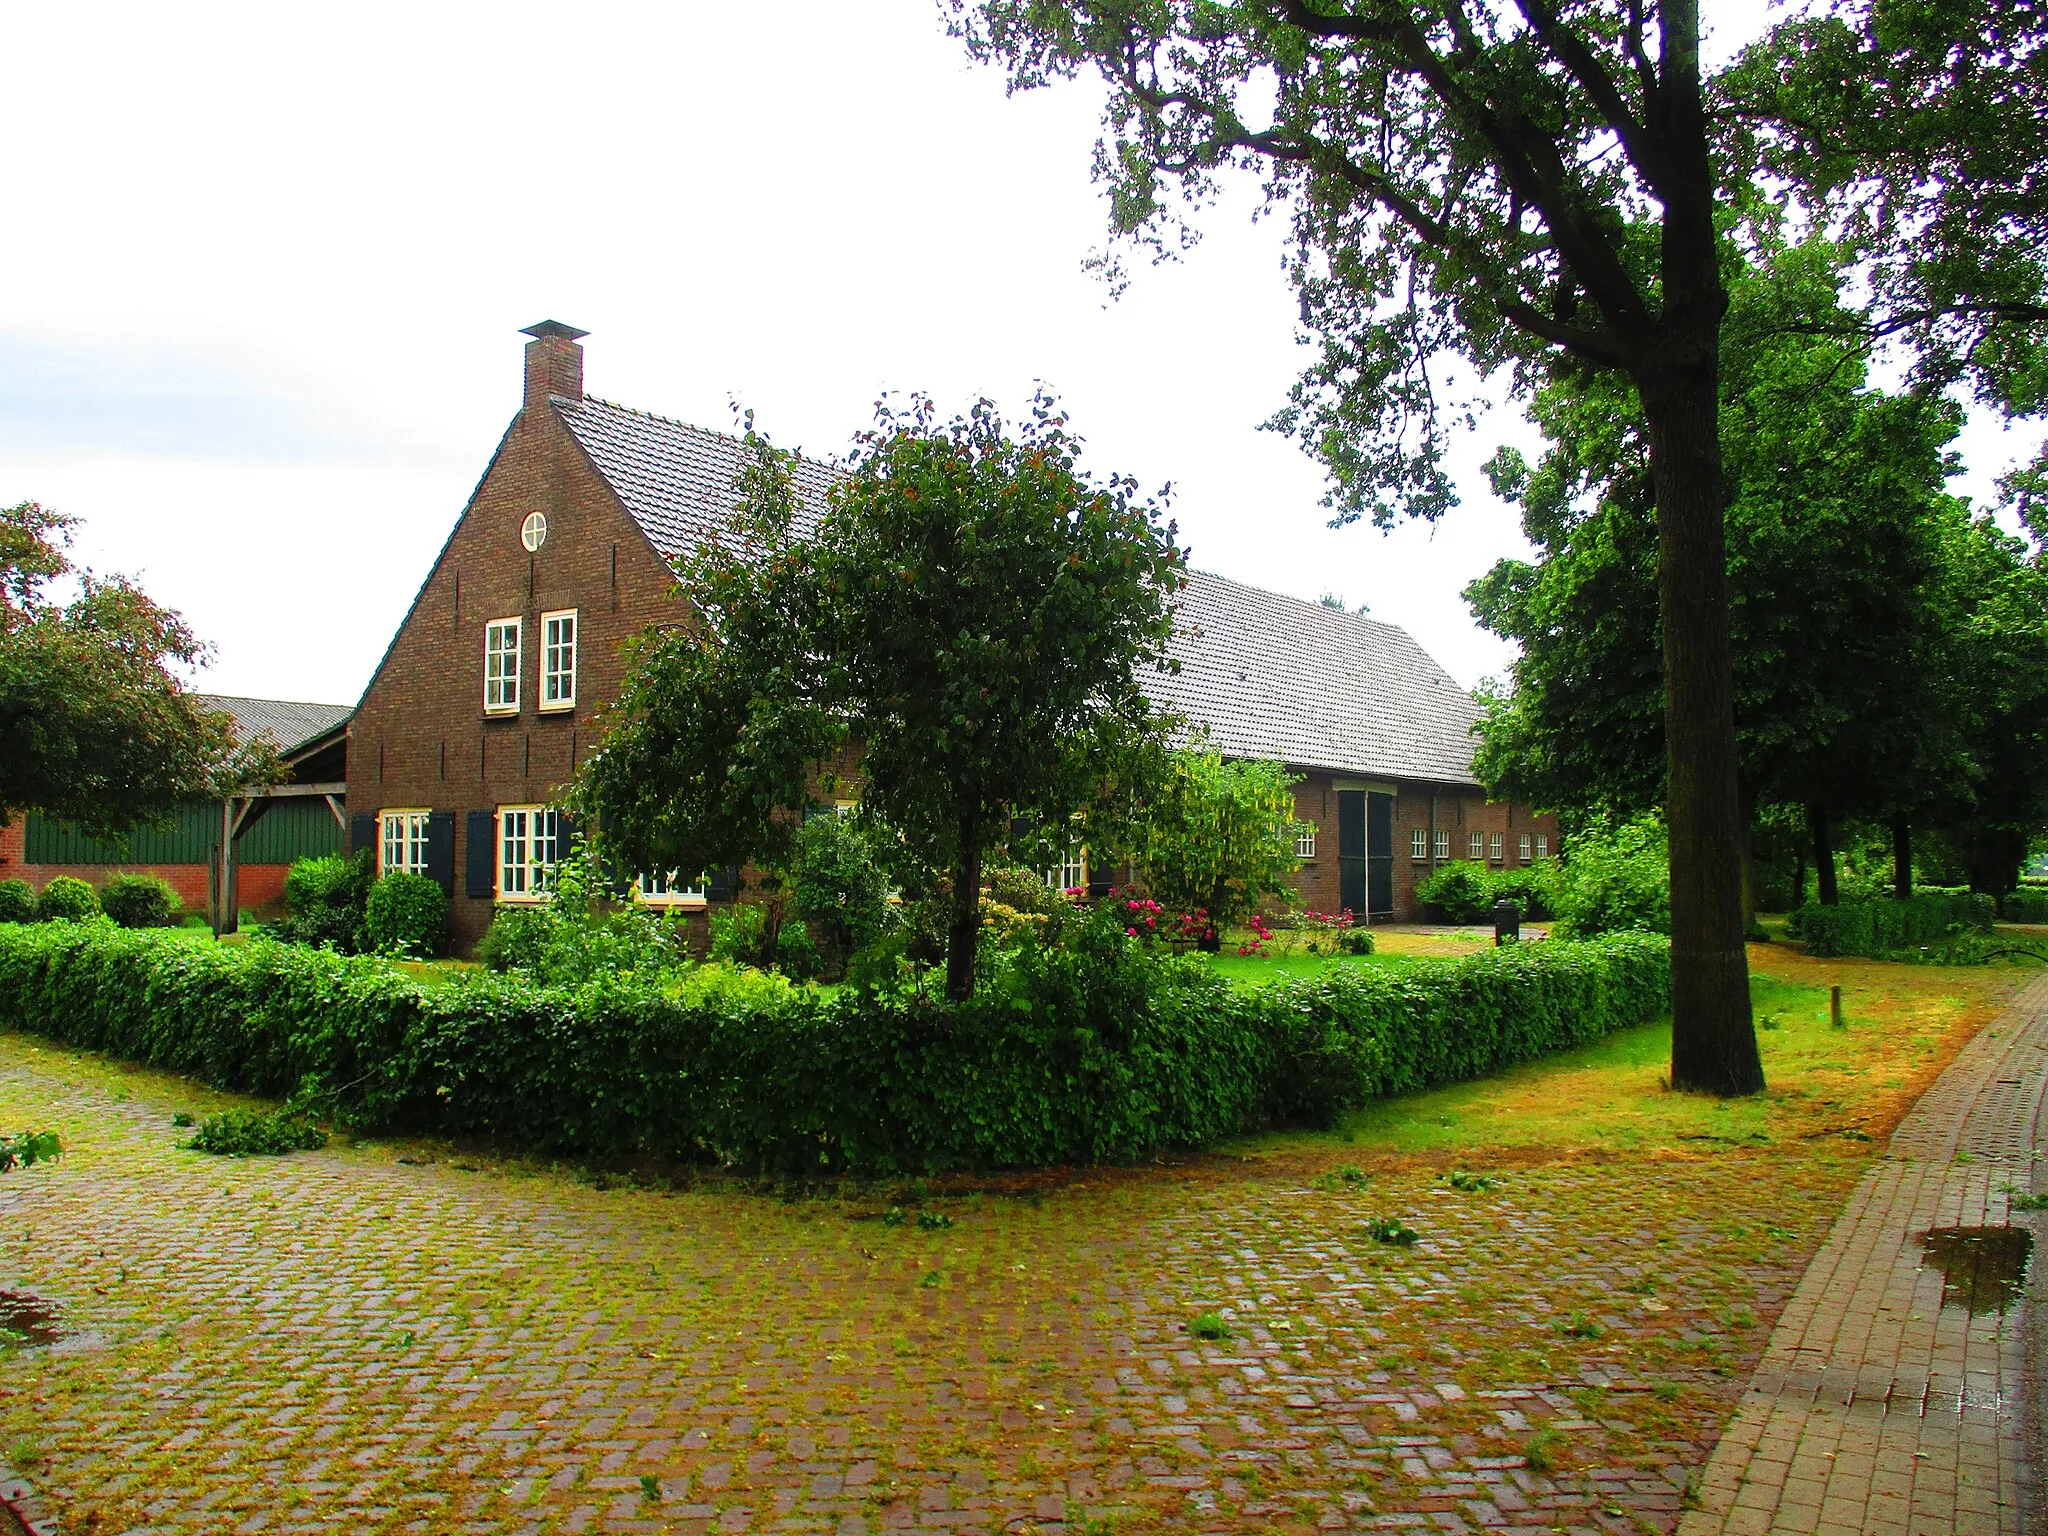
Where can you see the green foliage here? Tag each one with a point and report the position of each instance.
(2026, 905)
(67, 899)
(140, 901)
(1612, 878)
(1346, 1179)
(256, 1133)
(570, 939)
(838, 884)
(1876, 926)
(1097, 1049)
(1025, 890)
(325, 899)
(1218, 837)
(738, 932)
(406, 914)
(17, 902)
(28, 1149)
(1471, 1183)
(95, 727)
(1459, 892)
(1391, 1230)
(1210, 1327)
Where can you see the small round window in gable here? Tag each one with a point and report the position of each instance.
(534, 531)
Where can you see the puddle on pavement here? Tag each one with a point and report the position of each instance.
(27, 1319)
(1982, 1268)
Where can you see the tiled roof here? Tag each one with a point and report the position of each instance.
(675, 480)
(280, 721)
(1270, 676)
(1314, 686)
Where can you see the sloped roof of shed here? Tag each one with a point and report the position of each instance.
(1271, 676)
(284, 723)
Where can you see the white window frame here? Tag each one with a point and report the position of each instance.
(669, 891)
(501, 666)
(1497, 847)
(1475, 847)
(1074, 864)
(1418, 842)
(558, 682)
(403, 831)
(1542, 845)
(1523, 847)
(528, 875)
(1443, 843)
(1304, 840)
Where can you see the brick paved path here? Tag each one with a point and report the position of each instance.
(1877, 1409)
(347, 1340)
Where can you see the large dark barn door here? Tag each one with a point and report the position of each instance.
(1379, 855)
(1351, 882)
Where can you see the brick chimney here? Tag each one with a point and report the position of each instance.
(554, 362)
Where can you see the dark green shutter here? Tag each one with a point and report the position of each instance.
(362, 832)
(441, 849)
(479, 865)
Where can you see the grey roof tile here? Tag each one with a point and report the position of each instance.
(1270, 676)
(282, 722)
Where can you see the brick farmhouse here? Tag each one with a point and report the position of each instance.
(483, 705)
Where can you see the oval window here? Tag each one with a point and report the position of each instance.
(534, 531)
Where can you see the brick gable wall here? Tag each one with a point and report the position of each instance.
(420, 739)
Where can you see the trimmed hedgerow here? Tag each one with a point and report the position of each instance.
(1881, 924)
(17, 902)
(2028, 904)
(1075, 1056)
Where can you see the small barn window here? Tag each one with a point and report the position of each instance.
(1542, 845)
(1418, 843)
(1475, 846)
(1304, 839)
(1443, 842)
(671, 890)
(1496, 846)
(1525, 848)
(534, 531)
(558, 660)
(501, 667)
(1071, 872)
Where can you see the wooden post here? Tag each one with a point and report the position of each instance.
(1835, 1007)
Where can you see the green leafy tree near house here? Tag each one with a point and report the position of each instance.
(96, 728)
(1218, 837)
(972, 611)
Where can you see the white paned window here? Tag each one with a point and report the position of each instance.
(501, 667)
(1443, 842)
(1071, 873)
(404, 842)
(1418, 843)
(671, 890)
(1304, 839)
(1542, 846)
(1524, 847)
(1496, 846)
(558, 660)
(529, 846)
(1475, 846)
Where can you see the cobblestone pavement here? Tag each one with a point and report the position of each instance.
(389, 1338)
(1885, 1404)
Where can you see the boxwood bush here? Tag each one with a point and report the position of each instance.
(67, 899)
(405, 914)
(1882, 923)
(17, 902)
(1102, 1050)
(140, 901)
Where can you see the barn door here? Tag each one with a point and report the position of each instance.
(1351, 851)
(1379, 855)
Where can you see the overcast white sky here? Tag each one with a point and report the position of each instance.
(265, 268)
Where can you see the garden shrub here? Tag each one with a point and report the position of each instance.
(1528, 886)
(736, 933)
(1614, 879)
(406, 914)
(1875, 926)
(140, 901)
(838, 885)
(2025, 905)
(256, 1133)
(1096, 1049)
(67, 899)
(325, 899)
(17, 902)
(517, 939)
(1457, 893)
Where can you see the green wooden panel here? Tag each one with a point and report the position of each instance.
(297, 828)
(294, 828)
(189, 839)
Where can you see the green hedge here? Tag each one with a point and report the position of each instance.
(1075, 1060)
(2028, 904)
(1874, 926)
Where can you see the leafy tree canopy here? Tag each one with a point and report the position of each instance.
(972, 610)
(1218, 837)
(96, 727)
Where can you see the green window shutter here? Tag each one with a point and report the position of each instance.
(480, 854)
(362, 832)
(441, 849)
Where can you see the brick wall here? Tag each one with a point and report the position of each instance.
(420, 739)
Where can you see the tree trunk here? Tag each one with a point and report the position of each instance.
(964, 938)
(1713, 1039)
(1902, 859)
(1825, 890)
